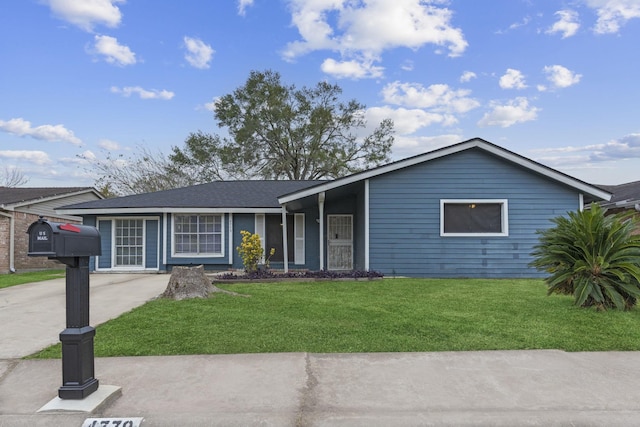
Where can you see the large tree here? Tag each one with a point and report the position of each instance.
(276, 131)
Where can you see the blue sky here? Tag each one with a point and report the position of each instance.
(555, 81)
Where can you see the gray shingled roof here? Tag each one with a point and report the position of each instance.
(11, 195)
(219, 194)
(623, 194)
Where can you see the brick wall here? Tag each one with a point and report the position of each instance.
(22, 261)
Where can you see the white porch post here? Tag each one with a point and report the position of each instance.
(285, 249)
(321, 221)
(366, 225)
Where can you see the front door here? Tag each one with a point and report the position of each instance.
(340, 242)
(129, 247)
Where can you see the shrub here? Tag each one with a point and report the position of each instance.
(594, 257)
(250, 250)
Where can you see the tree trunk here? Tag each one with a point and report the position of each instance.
(191, 282)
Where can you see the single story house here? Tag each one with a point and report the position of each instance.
(21, 206)
(468, 210)
(625, 198)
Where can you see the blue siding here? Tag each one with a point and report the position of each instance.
(241, 222)
(104, 261)
(405, 217)
(151, 244)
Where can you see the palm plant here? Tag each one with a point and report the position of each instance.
(594, 257)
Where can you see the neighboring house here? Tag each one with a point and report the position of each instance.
(19, 207)
(624, 197)
(468, 210)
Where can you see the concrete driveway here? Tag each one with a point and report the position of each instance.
(33, 315)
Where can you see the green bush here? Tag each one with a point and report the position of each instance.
(250, 250)
(592, 256)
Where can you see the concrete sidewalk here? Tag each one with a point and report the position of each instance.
(33, 315)
(495, 388)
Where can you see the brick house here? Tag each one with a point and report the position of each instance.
(19, 207)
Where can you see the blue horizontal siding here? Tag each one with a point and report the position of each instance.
(405, 217)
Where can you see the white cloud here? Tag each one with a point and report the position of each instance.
(512, 79)
(624, 148)
(108, 145)
(437, 97)
(87, 13)
(199, 53)
(211, 106)
(467, 76)
(143, 93)
(364, 29)
(406, 146)
(408, 121)
(351, 69)
(113, 52)
(567, 24)
(407, 65)
(560, 77)
(35, 157)
(515, 111)
(243, 5)
(23, 127)
(613, 14)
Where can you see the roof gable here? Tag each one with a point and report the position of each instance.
(479, 143)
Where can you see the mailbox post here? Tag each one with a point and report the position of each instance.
(72, 245)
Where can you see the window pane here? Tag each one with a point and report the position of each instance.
(198, 234)
(473, 218)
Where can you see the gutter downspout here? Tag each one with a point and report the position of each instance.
(285, 249)
(321, 197)
(12, 241)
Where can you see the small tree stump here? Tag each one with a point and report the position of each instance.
(191, 282)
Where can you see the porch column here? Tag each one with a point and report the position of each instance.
(321, 222)
(366, 224)
(285, 248)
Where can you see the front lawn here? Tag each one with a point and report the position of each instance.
(13, 279)
(390, 315)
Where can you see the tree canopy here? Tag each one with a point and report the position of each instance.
(276, 131)
(273, 131)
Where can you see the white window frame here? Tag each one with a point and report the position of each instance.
(299, 238)
(197, 255)
(112, 220)
(504, 203)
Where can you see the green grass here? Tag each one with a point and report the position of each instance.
(7, 280)
(391, 315)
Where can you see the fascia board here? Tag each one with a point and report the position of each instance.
(117, 211)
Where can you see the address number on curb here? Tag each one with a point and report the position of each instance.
(112, 422)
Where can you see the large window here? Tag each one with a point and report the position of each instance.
(197, 235)
(474, 218)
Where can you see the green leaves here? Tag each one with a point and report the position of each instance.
(592, 256)
(277, 131)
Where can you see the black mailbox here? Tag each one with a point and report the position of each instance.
(60, 240)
